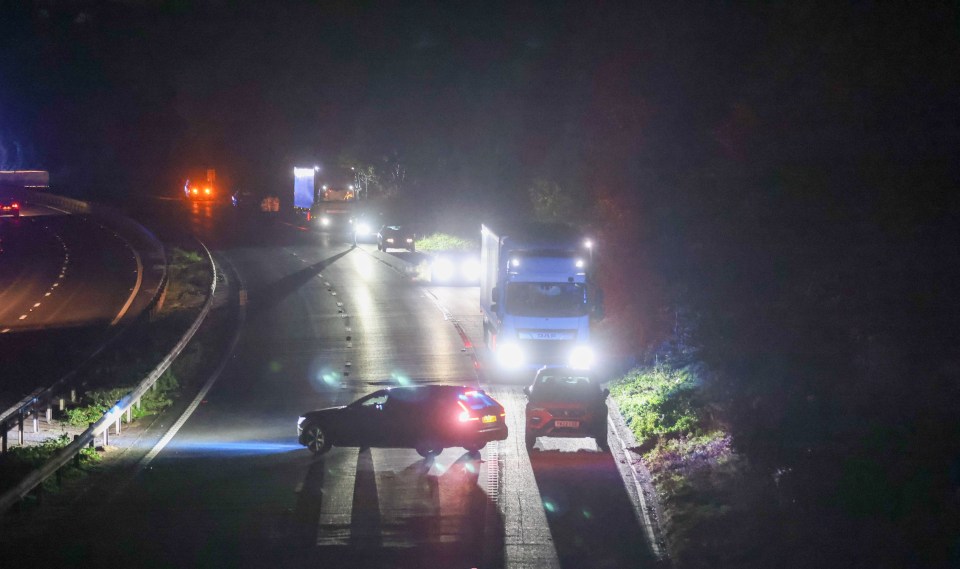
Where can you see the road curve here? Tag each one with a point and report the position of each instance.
(64, 280)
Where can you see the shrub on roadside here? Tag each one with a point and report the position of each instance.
(446, 242)
(660, 401)
(99, 401)
(20, 461)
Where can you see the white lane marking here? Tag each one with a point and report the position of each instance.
(136, 287)
(36, 305)
(4, 331)
(336, 505)
(22, 316)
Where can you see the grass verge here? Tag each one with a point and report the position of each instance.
(446, 242)
(699, 479)
(18, 462)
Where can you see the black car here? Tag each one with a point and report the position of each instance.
(396, 237)
(427, 418)
(564, 402)
(9, 207)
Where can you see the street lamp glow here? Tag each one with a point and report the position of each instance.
(588, 243)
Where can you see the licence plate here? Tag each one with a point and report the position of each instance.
(567, 424)
(489, 419)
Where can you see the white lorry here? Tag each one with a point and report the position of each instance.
(536, 297)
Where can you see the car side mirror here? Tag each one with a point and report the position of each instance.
(527, 390)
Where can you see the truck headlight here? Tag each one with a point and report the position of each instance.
(581, 357)
(470, 270)
(510, 355)
(441, 270)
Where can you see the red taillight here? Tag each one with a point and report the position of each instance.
(16, 205)
(465, 414)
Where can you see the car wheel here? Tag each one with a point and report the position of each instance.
(427, 452)
(530, 440)
(317, 440)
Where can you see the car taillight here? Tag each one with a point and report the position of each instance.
(465, 413)
(206, 191)
(16, 205)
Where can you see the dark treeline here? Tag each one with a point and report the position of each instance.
(775, 182)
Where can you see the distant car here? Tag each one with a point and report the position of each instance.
(244, 199)
(364, 228)
(9, 207)
(455, 268)
(396, 237)
(247, 200)
(565, 402)
(427, 418)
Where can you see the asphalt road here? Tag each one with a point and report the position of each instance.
(64, 281)
(327, 323)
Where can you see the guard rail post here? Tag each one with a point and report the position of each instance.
(3, 442)
(20, 428)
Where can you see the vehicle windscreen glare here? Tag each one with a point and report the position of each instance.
(546, 299)
(565, 388)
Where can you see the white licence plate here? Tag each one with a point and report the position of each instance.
(567, 424)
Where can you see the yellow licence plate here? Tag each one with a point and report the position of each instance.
(489, 418)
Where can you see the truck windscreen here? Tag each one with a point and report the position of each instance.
(546, 299)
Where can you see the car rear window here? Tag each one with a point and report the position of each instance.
(565, 388)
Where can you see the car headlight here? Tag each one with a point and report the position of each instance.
(510, 355)
(470, 270)
(581, 357)
(324, 221)
(442, 270)
(363, 228)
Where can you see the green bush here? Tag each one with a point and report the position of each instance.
(446, 242)
(18, 462)
(659, 401)
(99, 401)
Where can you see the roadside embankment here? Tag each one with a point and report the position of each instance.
(706, 491)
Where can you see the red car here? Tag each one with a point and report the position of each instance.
(427, 418)
(564, 402)
(9, 207)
